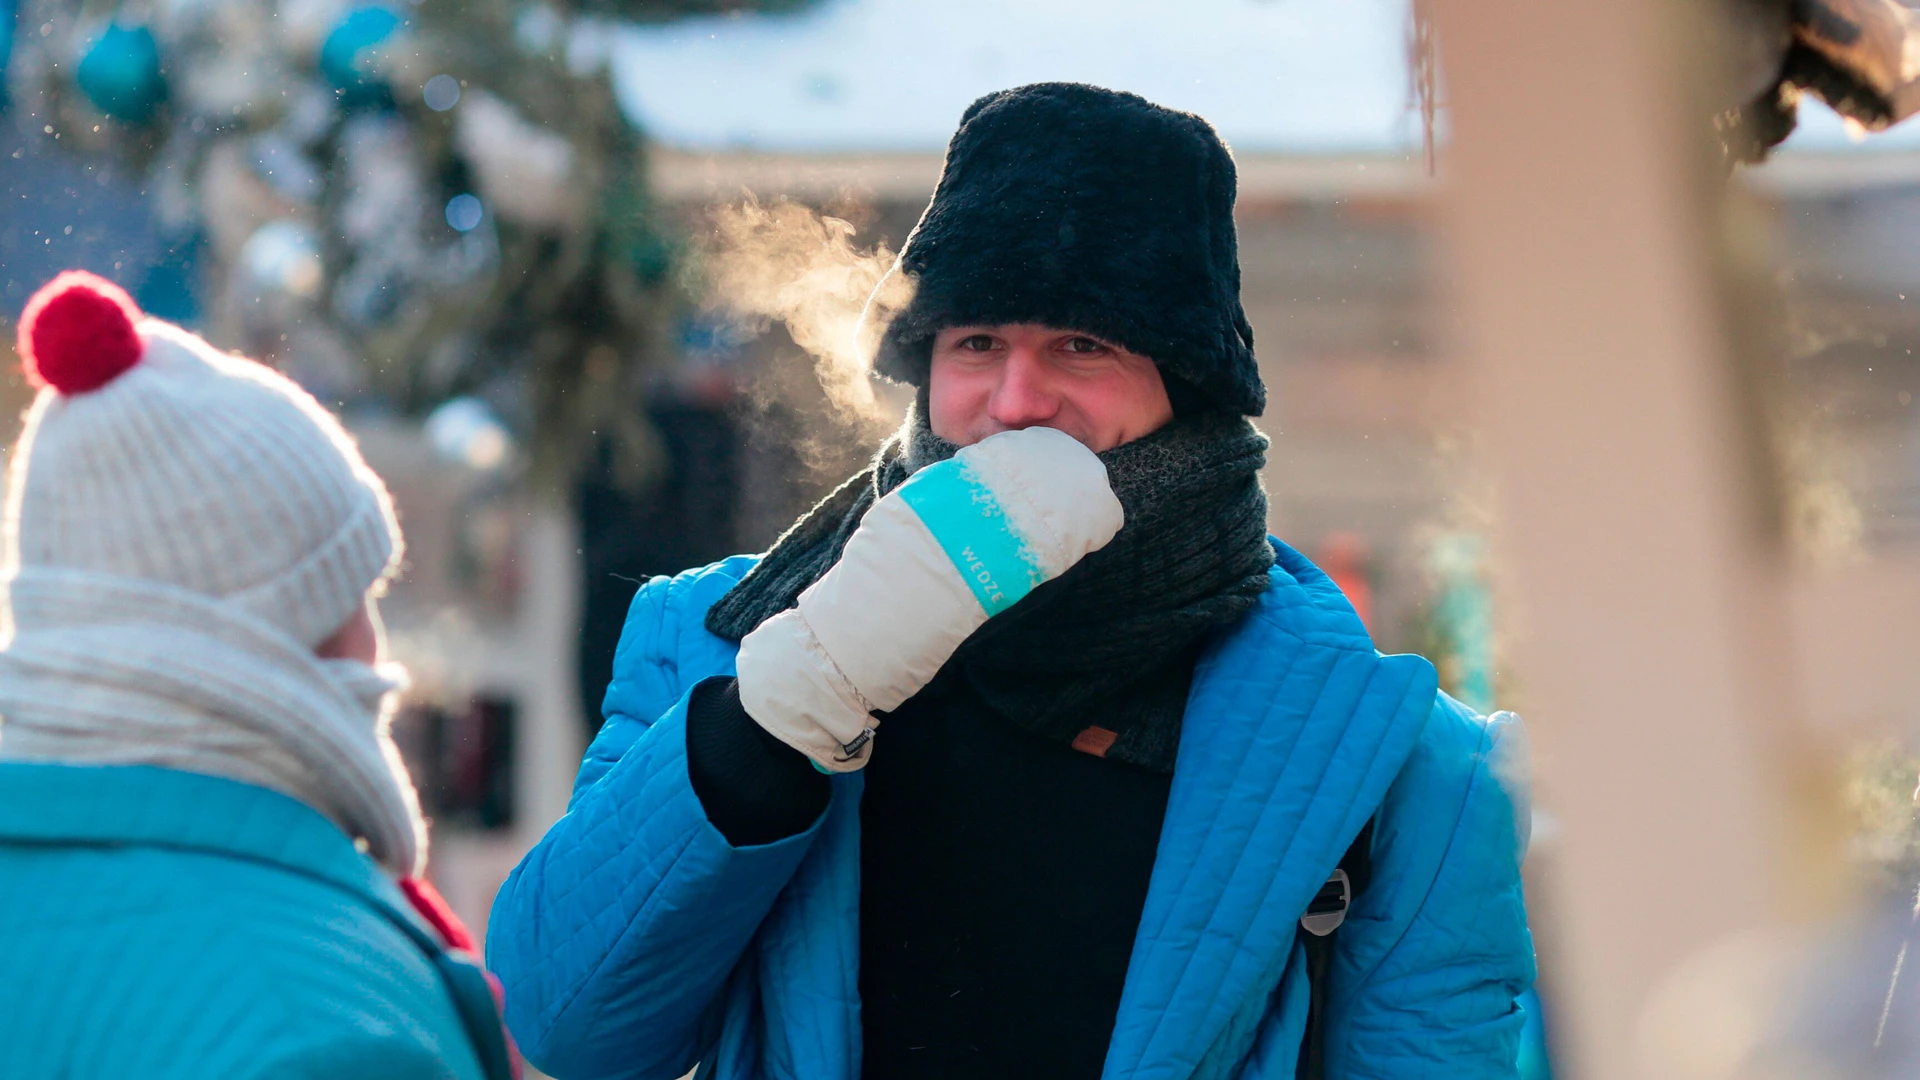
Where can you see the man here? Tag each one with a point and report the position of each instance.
(1025, 752)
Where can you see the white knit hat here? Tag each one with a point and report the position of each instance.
(150, 455)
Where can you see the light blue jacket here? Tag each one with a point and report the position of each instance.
(170, 926)
(635, 942)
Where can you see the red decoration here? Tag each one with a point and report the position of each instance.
(77, 333)
(1344, 556)
(426, 900)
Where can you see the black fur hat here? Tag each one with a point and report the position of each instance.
(1091, 210)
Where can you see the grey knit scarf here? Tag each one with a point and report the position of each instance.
(1110, 643)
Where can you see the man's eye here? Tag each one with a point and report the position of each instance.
(976, 343)
(1084, 345)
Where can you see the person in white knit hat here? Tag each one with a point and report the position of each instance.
(209, 845)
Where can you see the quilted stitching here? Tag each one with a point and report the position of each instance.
(1331, 728)
(1440, 991)
(175, 926)
(634, 941)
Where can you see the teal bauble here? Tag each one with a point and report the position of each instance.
(348, 56)
(120, 74)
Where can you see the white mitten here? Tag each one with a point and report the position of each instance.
(959, 542)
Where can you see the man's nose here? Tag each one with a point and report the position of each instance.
(1024, 397)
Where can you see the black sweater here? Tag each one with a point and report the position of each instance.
(1002, 878)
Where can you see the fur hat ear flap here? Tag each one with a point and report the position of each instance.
(1091, 210)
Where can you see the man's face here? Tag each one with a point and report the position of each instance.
(989, 379)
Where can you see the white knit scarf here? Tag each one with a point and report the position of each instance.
(106, 670)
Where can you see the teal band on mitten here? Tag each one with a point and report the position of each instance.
(971, 527)
(1013, 510)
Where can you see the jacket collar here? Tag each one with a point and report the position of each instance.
(151, 806)
(1294, 729)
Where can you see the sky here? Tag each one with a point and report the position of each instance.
(1299, 76)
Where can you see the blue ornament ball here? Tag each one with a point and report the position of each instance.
(120, 73)
(464, 213)
(347, 56)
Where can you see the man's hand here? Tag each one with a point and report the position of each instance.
(959, 542)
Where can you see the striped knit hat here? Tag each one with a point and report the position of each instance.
(150, 455)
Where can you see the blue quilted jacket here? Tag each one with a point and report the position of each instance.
(172, 926)
(634, 941)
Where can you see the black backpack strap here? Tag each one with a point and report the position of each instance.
(1323, 916)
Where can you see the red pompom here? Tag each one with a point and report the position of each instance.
(77, 333)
